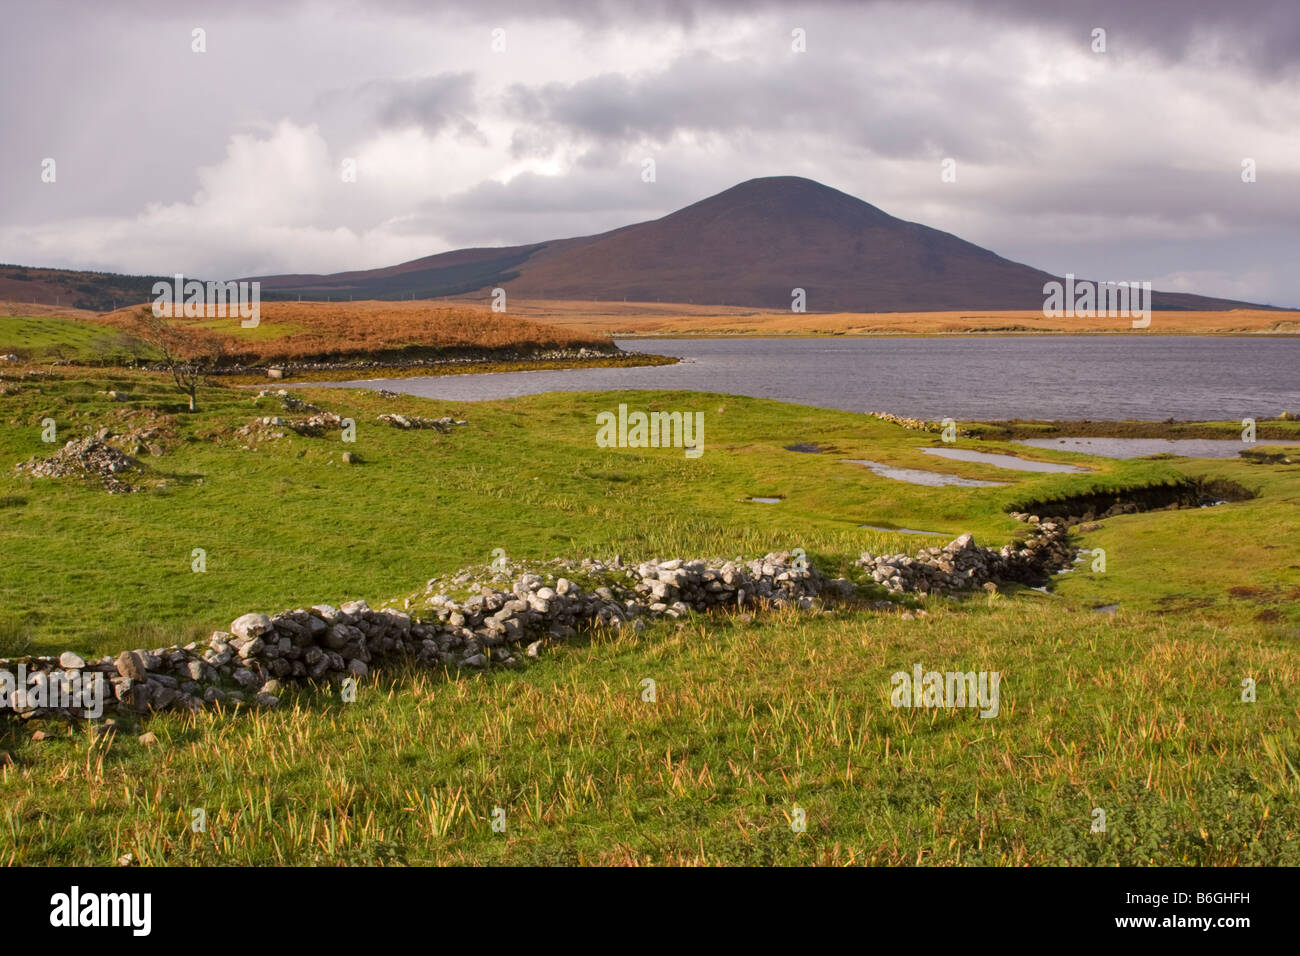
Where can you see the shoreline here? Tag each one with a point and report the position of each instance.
(970, 333)
(250, 377)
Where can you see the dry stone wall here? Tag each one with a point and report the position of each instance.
(488, 617)
(962, 564)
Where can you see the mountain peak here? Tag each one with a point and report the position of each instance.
(749, 245)
(782, 184)
(794, 197)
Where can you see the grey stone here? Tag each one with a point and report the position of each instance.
(247, 679)
(338, 636)
(250, 625)
(250, 648)
(131, 665)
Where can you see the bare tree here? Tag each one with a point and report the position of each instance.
(189, 355)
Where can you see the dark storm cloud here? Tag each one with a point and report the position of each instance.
(607, 194)
(432, 103)
(702, 94)
(1259, 35)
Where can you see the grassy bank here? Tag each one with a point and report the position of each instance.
(295, 332)
(286, 523)
(476, 367)
(1137, 712)
(1140, 717)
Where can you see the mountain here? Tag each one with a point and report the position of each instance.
(95, 291)
(748, 246)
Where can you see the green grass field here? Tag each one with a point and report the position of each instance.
(46, 337)
(1137, 712)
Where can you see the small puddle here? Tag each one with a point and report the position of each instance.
(767, 501)
(1003, 461)
(1141, 447)
(915, 476)
(1106, 608)
(876, 527)
(807, 448)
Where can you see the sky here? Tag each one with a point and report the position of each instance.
(497, 123)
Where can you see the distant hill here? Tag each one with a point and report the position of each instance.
(748, 246)
(93, 291)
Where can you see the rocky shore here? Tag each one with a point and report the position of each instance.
(916, 424)
(287, 369)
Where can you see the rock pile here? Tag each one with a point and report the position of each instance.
(915, 424)
(262, 429)
(317, 422)
(89, 457)
(312, 426)
(443, 424)
(962, 564)
(145, 432)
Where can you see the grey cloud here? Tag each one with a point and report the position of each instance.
(874, 108)
(433, 103)
(605, 194)
(1176, 196)
(1257, 35)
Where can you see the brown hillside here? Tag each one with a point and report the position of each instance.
(324, 330)
(748, 246)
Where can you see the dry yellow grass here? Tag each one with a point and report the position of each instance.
(660, 318)
(301, 330)
(465, 322)
(12, 308)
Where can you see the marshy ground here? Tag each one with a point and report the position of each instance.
(1138, 712)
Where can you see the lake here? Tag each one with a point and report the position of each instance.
(964, 378)
(1142, 447)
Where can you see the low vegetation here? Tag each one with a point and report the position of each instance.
(292, 332)
(1137, 711)
(323, 331)
(51, 338)
(668, 319)
(753, 721)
